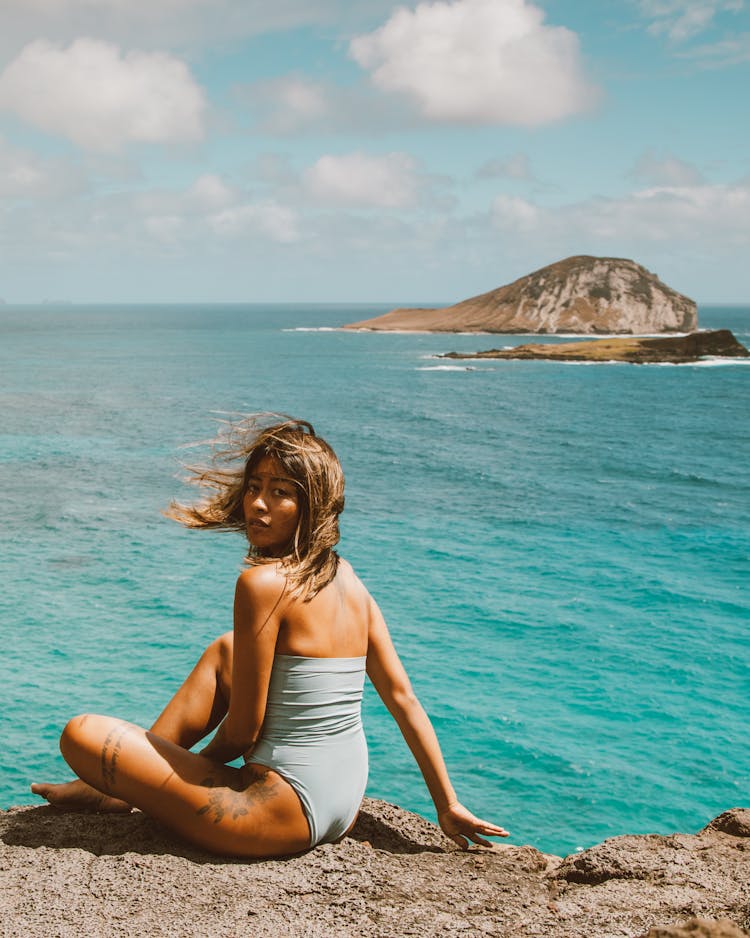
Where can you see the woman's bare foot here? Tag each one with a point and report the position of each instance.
(79, 796)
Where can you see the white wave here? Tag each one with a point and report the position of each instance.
(446, 368)
(313, 329)
(719, 362)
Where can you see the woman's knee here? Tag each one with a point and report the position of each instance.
(73, 729)
(76, 736)
(219, 653)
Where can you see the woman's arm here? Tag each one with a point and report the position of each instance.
(386, 672)
(257, 619)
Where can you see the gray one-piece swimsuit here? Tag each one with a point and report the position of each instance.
(313, 737)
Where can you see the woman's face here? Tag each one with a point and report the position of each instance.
(271, 508)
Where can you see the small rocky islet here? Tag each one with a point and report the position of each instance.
(673, 350)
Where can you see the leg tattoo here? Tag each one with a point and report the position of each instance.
(111, 753)
(225, 800)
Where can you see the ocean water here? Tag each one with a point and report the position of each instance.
(561, 551)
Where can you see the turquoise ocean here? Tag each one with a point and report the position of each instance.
(562, 551)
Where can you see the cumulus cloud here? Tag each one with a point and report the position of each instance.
(102, 99)
(683, 19)
(388, 181)
(478, 62)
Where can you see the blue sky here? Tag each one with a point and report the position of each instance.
(364, 151)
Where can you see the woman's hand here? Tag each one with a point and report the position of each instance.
(459, 824)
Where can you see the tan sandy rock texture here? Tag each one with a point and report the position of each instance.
(582, 294)
(122, 875)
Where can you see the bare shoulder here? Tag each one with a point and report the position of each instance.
(354, 584)
(262, 584)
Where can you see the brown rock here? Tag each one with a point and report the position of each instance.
(580, 294)
(699, 928)
(735, 822)
(674, 350)
(123, 875)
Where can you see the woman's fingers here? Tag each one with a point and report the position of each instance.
(481, 841)
(492, 830)
(461, 826)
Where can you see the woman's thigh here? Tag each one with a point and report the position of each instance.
(246, 811)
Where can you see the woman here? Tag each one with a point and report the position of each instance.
(284, 687)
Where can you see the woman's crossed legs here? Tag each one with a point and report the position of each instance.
(247, 811)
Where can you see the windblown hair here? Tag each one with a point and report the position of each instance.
(309, 560)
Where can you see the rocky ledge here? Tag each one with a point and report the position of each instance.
(581, 294)
(123, 875)
(676, 350)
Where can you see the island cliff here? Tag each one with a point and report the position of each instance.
(586, 295)
(123, 875)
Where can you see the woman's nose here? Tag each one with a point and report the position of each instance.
(257, 502)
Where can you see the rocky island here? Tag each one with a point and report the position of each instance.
(675, 350)
(582, 294)
(395, 874)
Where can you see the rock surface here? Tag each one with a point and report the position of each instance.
(581, 294)
(123, 875)
(673, 349)
(699, 928)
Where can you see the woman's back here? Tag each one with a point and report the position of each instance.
(312, 730)
(333, 624)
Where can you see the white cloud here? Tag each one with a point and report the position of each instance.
(516, 167)
(101, 99)
(721, 54)
(478, 61)
(170, 23)
(665, 171)
(302, 99)
(26, 175)
(297, 104)
(683, 19)
(278, 222)
(211, 207)
(510, 212)
(388, 181)
(705, 215)
(210, 192)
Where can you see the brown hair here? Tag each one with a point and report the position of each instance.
(309, 559)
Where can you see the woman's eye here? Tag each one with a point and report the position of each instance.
(282, 493)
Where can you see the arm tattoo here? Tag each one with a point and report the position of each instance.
(227, 801)
(111, 753)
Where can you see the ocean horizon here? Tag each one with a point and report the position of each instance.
(561, 550)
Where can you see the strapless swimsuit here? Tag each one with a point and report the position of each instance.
(313, 737)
